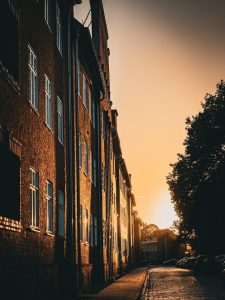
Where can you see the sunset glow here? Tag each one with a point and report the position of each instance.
(165, 56)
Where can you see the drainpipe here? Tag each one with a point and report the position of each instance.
(77, 157)
(99, 189)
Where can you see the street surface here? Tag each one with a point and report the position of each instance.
(171, 283)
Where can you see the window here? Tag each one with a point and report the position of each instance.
(104, 233)
(93, 113)
(94, 172)
(61, 214)
(9, 183)
(85, 158)
(86, 226)
(103, 177)
(91, 170)
(58, 29)
(80, 151)
(49, 200)
(47, 12)
(60, 119)
(84, 91)
(78, 77)
(90, 104)
(113, 242)
(9, 34)
(34, 198)
(48, 102)
(115, 239)
(91, 230)
(95, 231)
(102, 124)
(81, 223)
(33, 81)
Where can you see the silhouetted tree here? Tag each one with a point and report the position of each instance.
(148, 231)
(197, 180)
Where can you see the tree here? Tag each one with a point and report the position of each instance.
(148, 230)
(197, 179)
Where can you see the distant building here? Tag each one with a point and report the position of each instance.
(160, 246)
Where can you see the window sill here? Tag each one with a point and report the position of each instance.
(49, 128)
(49, 233)
(60, 142)
(9, 224)
(34, 108)
(48, 26)
(59, 51)
(33, 229)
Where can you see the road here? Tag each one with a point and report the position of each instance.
(171, 283)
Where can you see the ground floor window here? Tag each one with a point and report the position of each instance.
(9, 183)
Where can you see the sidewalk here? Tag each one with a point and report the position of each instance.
(127, 287)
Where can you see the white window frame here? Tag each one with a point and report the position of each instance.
(61, 213)
(60, 120)
(86, 229)
(84, 91)
(80, 151)
(58, 29)
(93, 113)
(91, 230)
(47, 12)
(85, 158)
(81, 223)
(95, 231)
(34, 198)
(78, 77)
(90, 104)
(94, 172)
(33, 78)
(48, 102)
(91, 167)
(49, 205)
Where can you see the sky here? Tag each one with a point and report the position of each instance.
(165, 56)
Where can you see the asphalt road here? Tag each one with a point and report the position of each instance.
(171, 283)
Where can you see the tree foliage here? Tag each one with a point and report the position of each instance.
(148, 231)
(197, 179)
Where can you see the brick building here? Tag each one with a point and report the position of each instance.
(66, 215)
(33, 143)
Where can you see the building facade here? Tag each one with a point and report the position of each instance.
(33, 143)
(67, 219)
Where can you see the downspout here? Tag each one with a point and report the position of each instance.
(129, 228)
(99, 189)
(77, 157)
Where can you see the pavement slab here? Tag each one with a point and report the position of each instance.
(127, 287)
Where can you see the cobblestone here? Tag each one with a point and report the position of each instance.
(170, 283)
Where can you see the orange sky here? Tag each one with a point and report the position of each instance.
(165, 56)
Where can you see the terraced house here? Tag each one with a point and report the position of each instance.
(66, 201)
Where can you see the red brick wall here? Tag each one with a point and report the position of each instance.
(40, 148)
